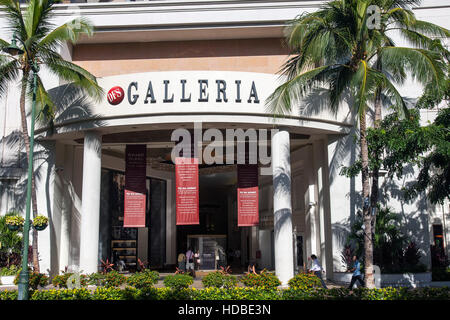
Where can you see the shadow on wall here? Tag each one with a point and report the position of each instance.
(415, 217)
(72, 106)
(340, 231)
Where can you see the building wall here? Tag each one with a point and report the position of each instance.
(253, 55)
(256, 49)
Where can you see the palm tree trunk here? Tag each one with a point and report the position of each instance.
(367, 218)
(376, 170)
(26, 139)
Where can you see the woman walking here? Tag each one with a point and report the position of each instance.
(317, 269)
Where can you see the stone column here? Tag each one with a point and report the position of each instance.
(90, 208)
(282, 208)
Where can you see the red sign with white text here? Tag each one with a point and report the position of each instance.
(135, 186)
(186, 175)
(248, 195)
(115, 95)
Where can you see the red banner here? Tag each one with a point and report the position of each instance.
(135, 186)
(186, 175)
(247, 197)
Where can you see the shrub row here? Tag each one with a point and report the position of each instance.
(236, 293)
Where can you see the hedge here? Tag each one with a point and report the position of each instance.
(237, 293)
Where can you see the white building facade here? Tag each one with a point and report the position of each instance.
(186, 64)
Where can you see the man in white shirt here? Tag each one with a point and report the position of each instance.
(317, 269)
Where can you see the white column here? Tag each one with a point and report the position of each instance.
(90, 208)
(282, 208)
(66, 208)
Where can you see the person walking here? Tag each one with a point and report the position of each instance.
(356, 273)
(182, 262)
(317, 269)
(190, 260)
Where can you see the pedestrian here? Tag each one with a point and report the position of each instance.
(317, 269)
(197, 260)
(182, 261)
(190, 260)
(356, 273)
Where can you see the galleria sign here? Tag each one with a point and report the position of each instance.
(184, 91)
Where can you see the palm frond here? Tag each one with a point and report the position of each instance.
(14, 18)
(69, 31)
(424, 65)
(281, 101)
(9, 71)
(71, 72)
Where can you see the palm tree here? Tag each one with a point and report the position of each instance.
(418, 33)
(337, 48)
(40, 39)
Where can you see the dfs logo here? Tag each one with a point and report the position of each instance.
(115, 95)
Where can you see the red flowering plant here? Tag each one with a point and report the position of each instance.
(264, 279)
(107, 266)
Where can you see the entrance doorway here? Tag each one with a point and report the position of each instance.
(217, 237)
(124, 246)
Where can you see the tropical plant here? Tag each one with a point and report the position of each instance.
(219, 279)
(11, 242)
(264, 279)
(35, 280)
(62, 280)
(393, 251)
(113, 279)
(106, 266)
(9, 271)
(304, 280)
(338, 49)
(145, 278)
(40, 221)
(32, 25)
(178, 281)
(14, 220)
(142, 264)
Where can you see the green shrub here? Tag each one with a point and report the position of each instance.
(108, 280)
(146, 278)
(218, 279)
(304, 280)
(109, 293)
(96, 279)
(264, 279)
(178, 281)
(60, 281)
(236, 293)
(8, 295)
(64, 294)
(113, 279)
(35, 279)
(11, 271)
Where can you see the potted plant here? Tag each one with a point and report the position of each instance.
(40, 223)
(14, 222)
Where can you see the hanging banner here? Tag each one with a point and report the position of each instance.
(135, 186)
(186, 175)
(247, 197)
